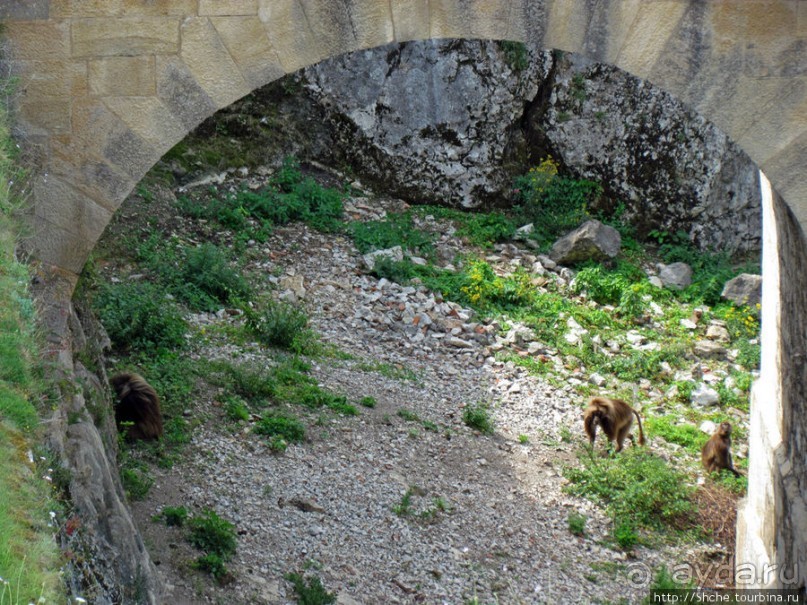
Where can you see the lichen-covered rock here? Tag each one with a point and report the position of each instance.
(591, 241)
(676, 275)
(431, 120)
(745, 289)
(673, 170)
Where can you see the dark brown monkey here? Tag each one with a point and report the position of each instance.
(716, 454)
(137, 412)
(614, 416)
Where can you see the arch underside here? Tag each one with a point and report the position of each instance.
(108, 86)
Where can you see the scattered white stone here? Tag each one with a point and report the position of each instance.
(708, 427)
(705, 396)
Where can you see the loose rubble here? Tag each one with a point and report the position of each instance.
(327, 504)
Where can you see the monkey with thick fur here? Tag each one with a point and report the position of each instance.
(716, 453)
(614, 416)
(137, 412)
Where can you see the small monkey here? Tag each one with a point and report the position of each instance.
(614, 416)
(138, 409)
(716, 454)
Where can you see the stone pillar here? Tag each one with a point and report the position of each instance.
(772, 520)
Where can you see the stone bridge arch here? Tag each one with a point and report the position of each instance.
(108, 86)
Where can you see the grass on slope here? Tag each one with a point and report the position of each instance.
(28, 553)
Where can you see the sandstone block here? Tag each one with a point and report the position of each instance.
(123, 77)
(125, 36)
(62, 78)
(159, 7)
(248, 44)
(411, 19)
(228, 7)
(150, 119)
(50, 115)
(40, 40)
(210, 63)
(24, 10)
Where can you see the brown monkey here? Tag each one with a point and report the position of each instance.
(716, 454)
(138, 409)
(614, 416)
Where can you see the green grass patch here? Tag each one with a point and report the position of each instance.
(671, 429)
(289, 196)
(309, 590)
(477, 416)
(139, 316)
(279, 324)
(394, 230)
(29, 557)
(639, 490)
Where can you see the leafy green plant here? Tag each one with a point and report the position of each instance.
(207, 268)
(278, 324)
(136, 479)
(670, 429)
(394, 230)
(404, 507)
(175, 516)
(310, 591)
(477, 416)
(638, 488)
(515, 54)
(212, 534)
(236, 408)
(554, 204)
(281, 425)
(138, 316)
(523, 439)
(368, 401)
(577, 523)
(212, 564)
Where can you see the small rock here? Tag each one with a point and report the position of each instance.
(718, 333)
(745, 289)
(591, 241)
(459, 343)
(597, 380)
(395, 254)
(705, 396)
(708, 427)
(709, 349)
(677, 275)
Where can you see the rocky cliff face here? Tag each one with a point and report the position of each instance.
(672, 169)
(451, 122)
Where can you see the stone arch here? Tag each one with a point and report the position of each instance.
(107, 86)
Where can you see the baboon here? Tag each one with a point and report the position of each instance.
(137, 412)
(614, 416)
(716, 453)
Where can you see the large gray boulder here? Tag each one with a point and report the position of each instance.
(590, 241)
(432, 120)
(676, 275)
(745, 289)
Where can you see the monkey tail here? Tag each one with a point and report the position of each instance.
(590, 425)
(641, 432)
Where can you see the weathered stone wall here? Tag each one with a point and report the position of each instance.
(772, 519)
(115, 567)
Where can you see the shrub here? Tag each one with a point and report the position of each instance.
(394, 230)
(175, 515)
(278, 324)
(554, 204)
(236, 408)
(368, 401)
(207, 268)
(138, 316)
(577, 523)
(212, 534)
(477, 416)
(310, 591)
(212, 564)
(280, 425)
(668, 428)
(638, 488)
